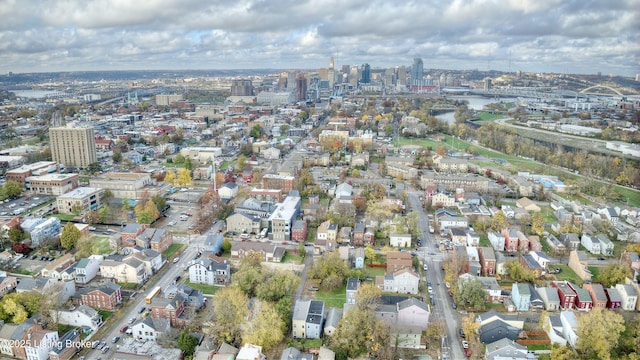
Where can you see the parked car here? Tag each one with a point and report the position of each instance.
(142, 309)
(132, 320)
(105, 349)
(115, 339)
(124, 328)
(461, 332)
(176, 260)
(465, 344)
(313, 288)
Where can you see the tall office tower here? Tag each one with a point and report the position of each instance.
(73, 147)
(331, 63)
(417, 71)
(366, 74)
(241, 88)
(301, 88)
(401, 75)
(291, 80)
(282, 81)
(323, 74)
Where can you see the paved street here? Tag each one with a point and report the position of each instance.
(442, 309)
(167, 279)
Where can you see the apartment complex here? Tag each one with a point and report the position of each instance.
(167, 99)
(73, 146)
(82, 198)
(52, 184)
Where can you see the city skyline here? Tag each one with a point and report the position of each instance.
(529, 35)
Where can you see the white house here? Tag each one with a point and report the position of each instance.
(270, 153)
(629, 296)
(473, 239)
(591, 243)
(400, 240)
(497, 240)
(447, 221)
(40, 343)
(569, 327)
(404, 281)
(343, 190)
(228, 190)
(541, 258)
(210, 272)
(606, 245)
(87, 268)
(149, 329)
(79, 316)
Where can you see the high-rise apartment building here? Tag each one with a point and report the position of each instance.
(417, 71)
(301, 88)
(366, 74)
(73, 146)
(241, 88)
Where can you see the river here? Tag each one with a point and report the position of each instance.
(475, 102)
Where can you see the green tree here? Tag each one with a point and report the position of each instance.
(12, 189)
(518, 273)
(598, 333)
(70, 236)
(103, 214)
(160, 201)
(331, 269)
(187, 343)
(170, 178)
(369, 254)
(359, 332)
(117, 157)
(537, 223)
(471, 293)
(499, 221)
(17, 234)
(277, 284)
(151, 208)
(230, 309)
(368, 296)
(94, 167)
(241, 162)
(256, 132)
(266, 328)
(77, 209)
(184, 177)
(613, 274)
(179, 159)
(226, 245)
(562, 353)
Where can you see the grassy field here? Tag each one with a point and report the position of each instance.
(101, 245)
(105, 314)
(568, 274)
(487, 116)
(172, 250)
(335, 299)
(371, 271)
(289, 257)
(206, 289)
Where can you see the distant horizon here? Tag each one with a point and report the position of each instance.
(534, 36)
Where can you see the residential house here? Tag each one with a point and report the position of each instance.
(510, 239)
(413, 313)
(527, 204)
(331, 323)
(403, 281)
(194, 298)
(308, 319)
(78, 316)
(397, 260)
(566, 295)
(505, 349)
(12, 337)
(243, 223)
(358, 234)
(53, 269)
(553, 328)
(228, 191)
(579, 263)
(497, 330)
(472, 239)
(458, 235)
(129, 270)
(492, 288)
(487, 260)
(523, 242)
(521, 296)
(39, 343)
(497, 241)
(357, 257)
(130, 232)
(149, 328)
(169, 309)
(67, 346)
(606, 245)
(529, 263)
(344, 235)
(569, 327)
(584, 302)
(451, 221)
(352, 290)
(7, 284)
(534, 243)
(591, 243)
(536, 302)
(151, 259)
(106, 296)
(632, 260)
(614, 298)
(64, 289)
(598, 296)
(541, 258)
(343, 190)
(250, 352)
(87, 268)
(210, 272)
(369, 235)
(400, 240)
(629, 296)
(292, 353)
(406, 337)
(155, 238)
(268, 252)
(299, 231)
(570, 240)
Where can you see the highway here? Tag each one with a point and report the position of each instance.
(451, 346)
(166, 280)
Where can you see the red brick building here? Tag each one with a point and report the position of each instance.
(280, 182)
(299, 231)
(106, 297)
(130, 232)
(566, 294)
(487, 261)
(169, 309)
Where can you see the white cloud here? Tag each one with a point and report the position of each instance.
(538, 35)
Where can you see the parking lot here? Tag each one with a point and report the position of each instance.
(23, 204)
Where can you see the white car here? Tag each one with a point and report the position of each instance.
(176, 260)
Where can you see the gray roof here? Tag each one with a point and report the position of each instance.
(412, 301)
(353, 284)
(131, 228)
(614, 295)
(301, 309)
(497, 330)
(333, 317)
(505, 348)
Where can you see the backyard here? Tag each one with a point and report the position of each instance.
(335, 298)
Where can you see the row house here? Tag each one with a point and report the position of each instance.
(487, 261)
(129, 270)
(67, 346)
(106, 296)
(614, 299)
(151, 259)
(510, 239)
(492, 288)
(344, 235)
(155, 239)
(13, 336)
(55, 268)
(358, 235)
(570, 240)
(403, 313)
(7, 284)
(268, 252)
(149, 328)
(39, 343)
(550, 298)
(299, 231)
(629, 296)
(80, 316)
(210, 272)
(307, 319)
(404, 281)
(87, 268)
(565, 293)
(521, 296)
(598, 295)
(534, 243)
(169, 309)
(583, 299)
(497, 240)
(397, 260)
(130, 232)
(194, 297)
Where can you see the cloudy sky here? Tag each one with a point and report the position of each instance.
(576, 36)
